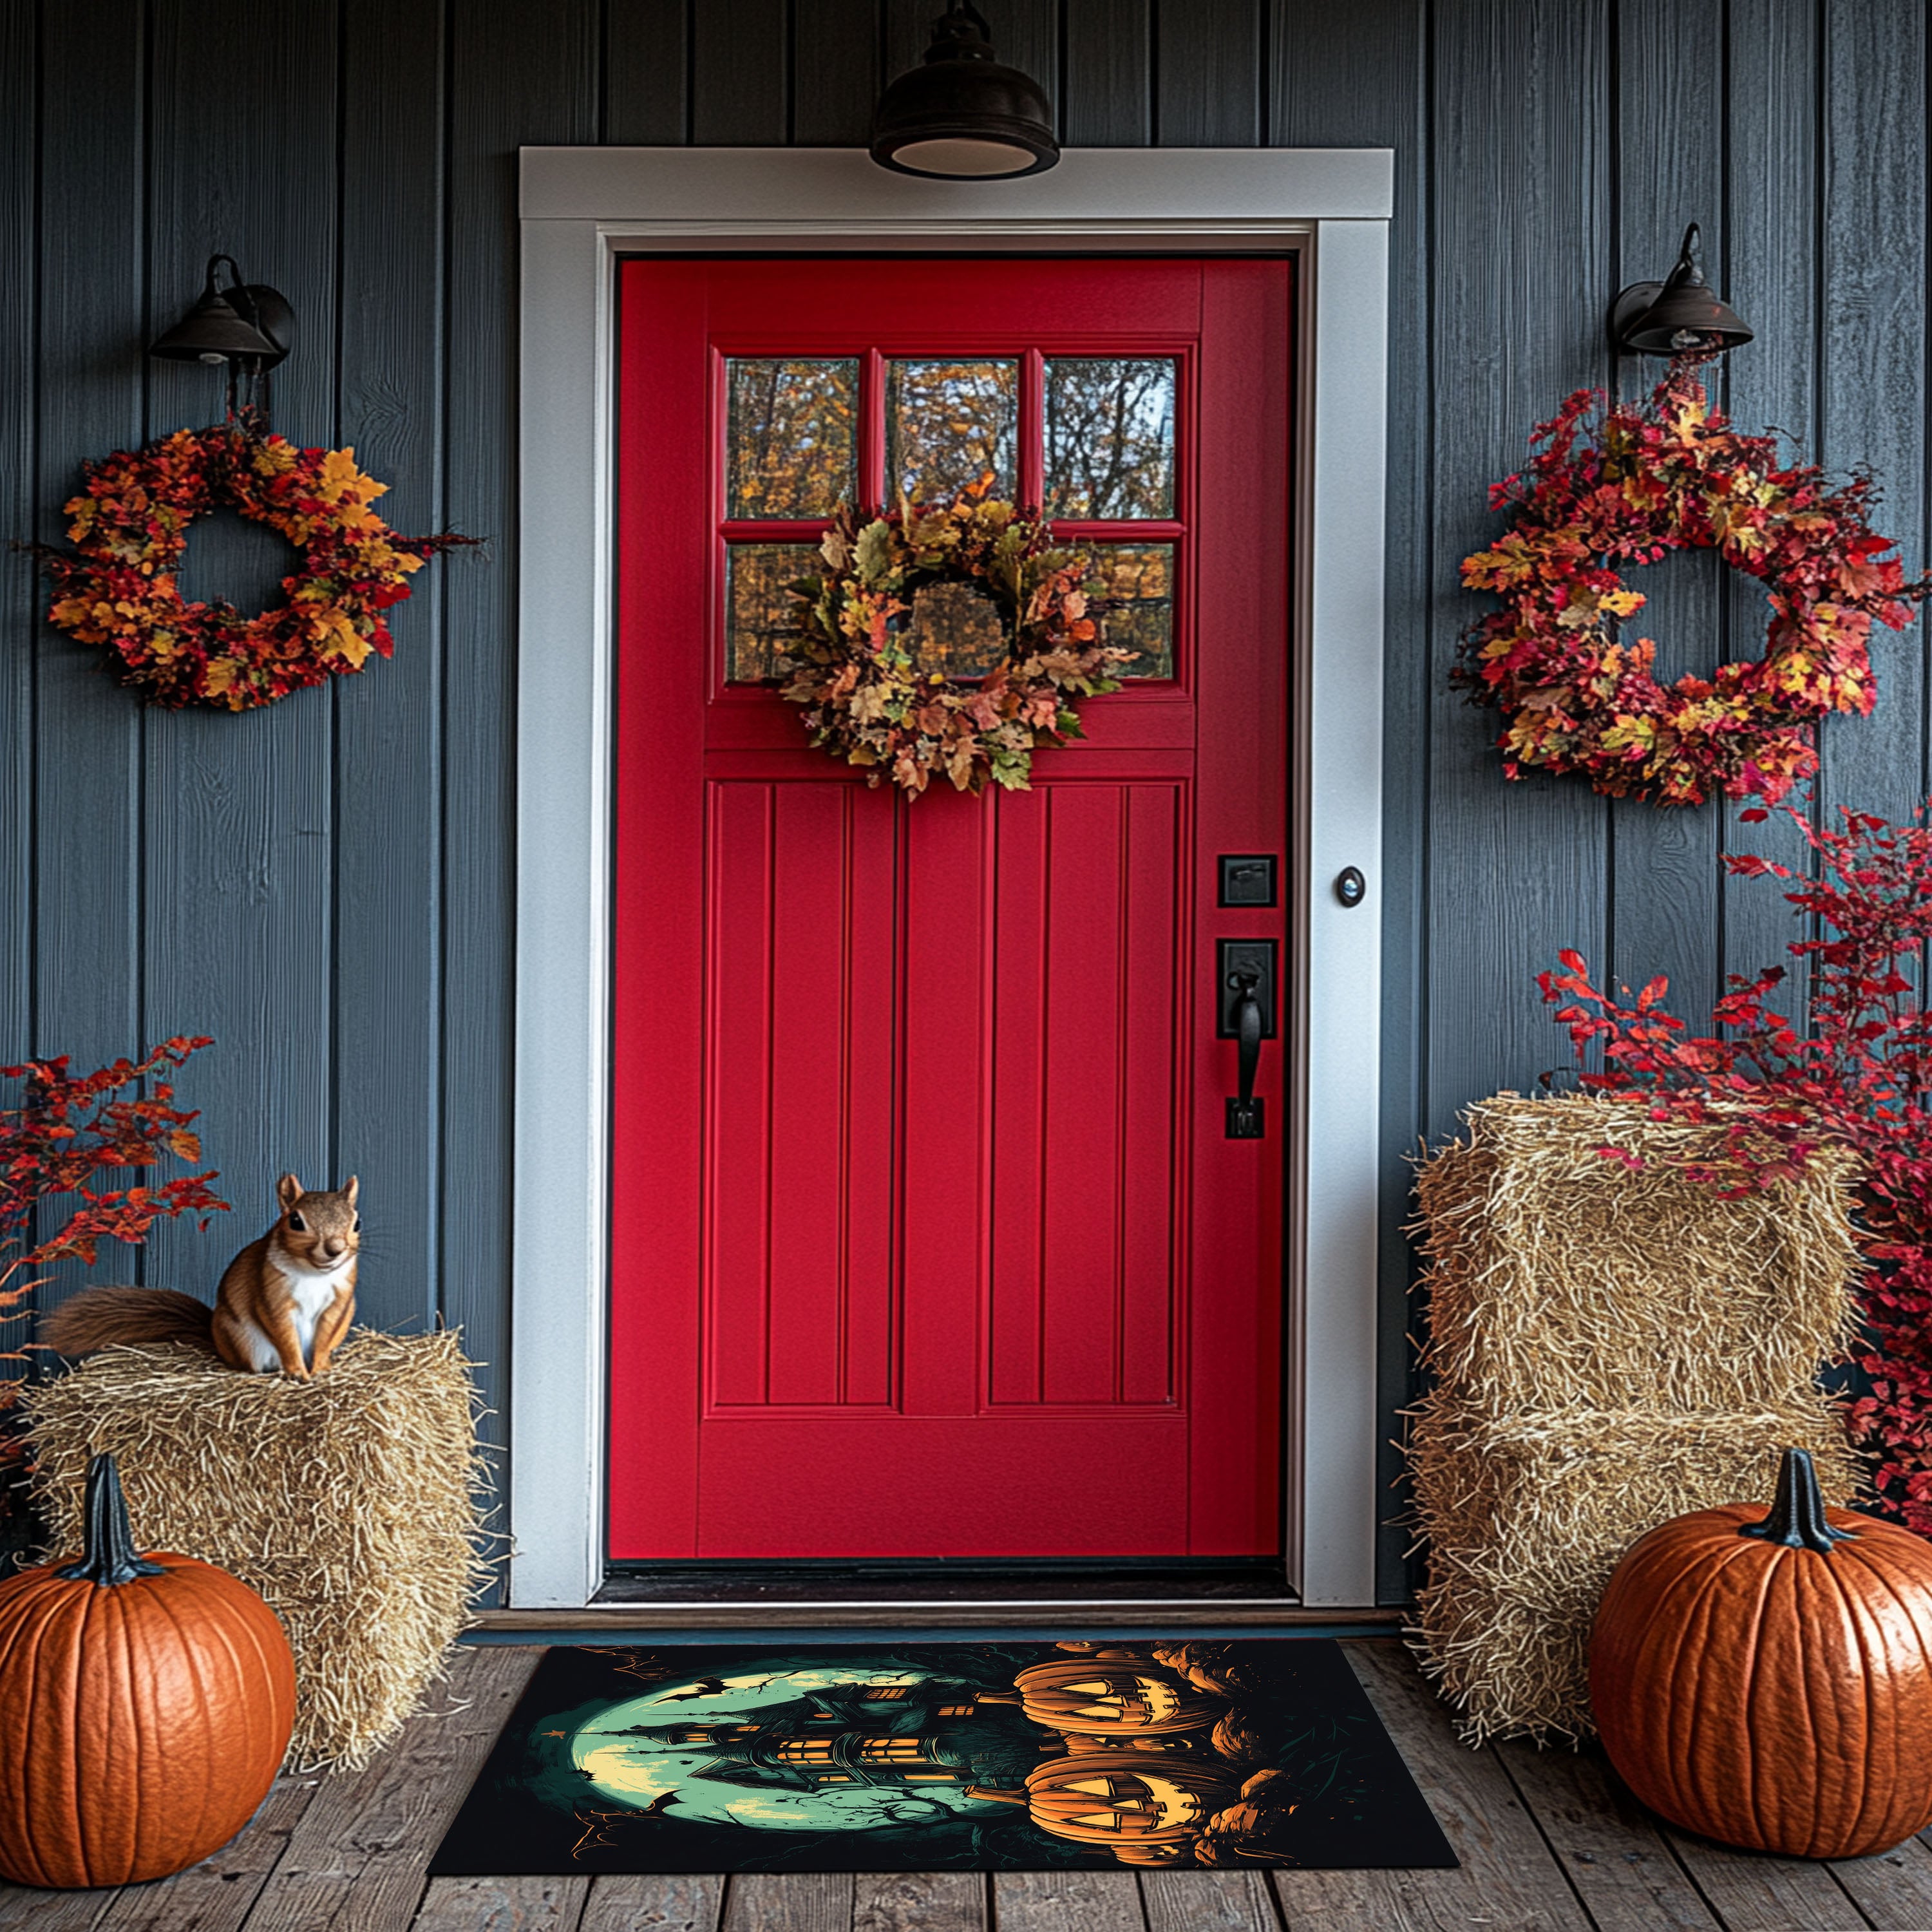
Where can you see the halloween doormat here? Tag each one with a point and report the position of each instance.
(943, 1756)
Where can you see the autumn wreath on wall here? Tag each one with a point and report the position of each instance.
(854, 661)
(1670, 472)
(118, 586)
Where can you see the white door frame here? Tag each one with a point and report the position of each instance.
(582, 209)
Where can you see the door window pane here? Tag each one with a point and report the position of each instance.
(762, 613)
(956, 630)
(948, 423)
(792, 436)
(1130, 590)
(1110, 438)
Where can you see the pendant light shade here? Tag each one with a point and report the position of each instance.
(961, 115)
(244, 322)
(1680, 316)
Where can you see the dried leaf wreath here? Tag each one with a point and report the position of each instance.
(853, 668)
(118, 586)
(1670, 473)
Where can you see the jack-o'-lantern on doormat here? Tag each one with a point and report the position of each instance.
(1116, 1693)
(938, 1757)
(1149, 1809)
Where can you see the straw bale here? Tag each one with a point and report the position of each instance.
(1610, 1346)
(1558, 1276)
(1527, 1515)
(350, 1502)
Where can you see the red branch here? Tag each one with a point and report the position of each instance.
(67, 1137)
(1860, 1075)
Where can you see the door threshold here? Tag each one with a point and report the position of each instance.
(1042, 1596)
(600, 1622)
(1041, 1583)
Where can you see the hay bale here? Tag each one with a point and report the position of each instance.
(1526, 1515)
(1610, 1346)
(1558, 1276)
(350, 1502)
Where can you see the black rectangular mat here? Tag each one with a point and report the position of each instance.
(798, 1756)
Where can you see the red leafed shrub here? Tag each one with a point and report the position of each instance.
(1860, 1073)
(66, 1137)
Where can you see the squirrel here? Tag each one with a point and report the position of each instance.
(284, 1302)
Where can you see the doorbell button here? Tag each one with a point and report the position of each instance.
(1351, 888)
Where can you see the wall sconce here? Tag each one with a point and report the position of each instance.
(1677, 316)
(961, 115)
(247, 321)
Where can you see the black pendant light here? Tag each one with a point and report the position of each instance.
(1677, 316)
(961, 115)
(245, 323)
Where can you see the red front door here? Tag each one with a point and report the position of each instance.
(929, 1239)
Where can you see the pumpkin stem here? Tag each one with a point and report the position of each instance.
(108, 1554)
(1797, 1516)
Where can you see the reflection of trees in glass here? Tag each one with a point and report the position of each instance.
(793, 435)
(1131, 590)
(957, 631)
(1109, 438)
(948, 423)
(763, 612)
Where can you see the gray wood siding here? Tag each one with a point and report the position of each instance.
(326, 886)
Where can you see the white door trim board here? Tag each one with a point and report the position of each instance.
(583, 208)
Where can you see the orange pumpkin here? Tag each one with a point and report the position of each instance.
(145, 1704)
(1762, 1677)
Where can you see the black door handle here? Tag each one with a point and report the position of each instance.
(1244, 1111)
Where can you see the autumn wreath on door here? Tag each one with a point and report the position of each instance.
(855, 666)
(1670, 472)
(118, 586)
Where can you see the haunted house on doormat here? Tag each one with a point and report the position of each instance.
(883, 1736)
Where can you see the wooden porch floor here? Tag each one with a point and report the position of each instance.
(1548, 1842)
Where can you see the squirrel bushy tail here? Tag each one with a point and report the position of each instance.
(97, 1317)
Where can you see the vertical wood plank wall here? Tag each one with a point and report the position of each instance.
(326, 886)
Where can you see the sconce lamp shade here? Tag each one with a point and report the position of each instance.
(1677, 316)
(961, 115)
(244, 322)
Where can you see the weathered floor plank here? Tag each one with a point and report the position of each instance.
(1226, 1901)
(1389, 1901)
(1508, 1879)
(1610, 1846)
(22, 1909)
(1751, 1893)
(919, 1902)
(501, 1905)
(675, 1902)
(355, 1860)
(1893, 1890)
(1075, 1901)
(789, 1902)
